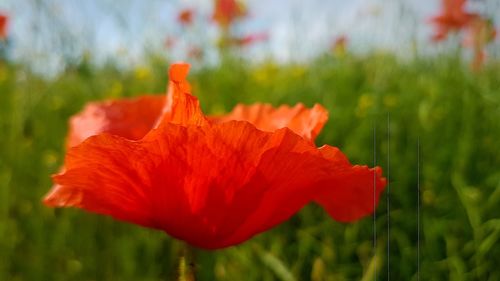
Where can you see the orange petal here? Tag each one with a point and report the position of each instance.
(181, 106)
(353, 191)
(212, 186)
(129, 118)
(308, 174)
(102, 175)
(179, 179)
(303, 121)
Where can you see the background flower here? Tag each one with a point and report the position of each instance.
(185, 16)
(453, 17)
(227, 11)
(4, 20)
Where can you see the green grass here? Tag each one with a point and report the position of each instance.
(453, 112)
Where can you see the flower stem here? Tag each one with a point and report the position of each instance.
(187, 264)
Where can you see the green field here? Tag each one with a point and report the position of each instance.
(378, 105)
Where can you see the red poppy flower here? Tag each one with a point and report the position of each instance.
(170, 42)
(453, 17)
(211, 181)
(195, 53)
(4, 19)
(339, 45)
(185, 16)
(250, 39)
(481, 32)
(227, 11)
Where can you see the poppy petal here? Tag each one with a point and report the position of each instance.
(103, 175)
(300, 119)
(308, 174)
(181, 106)
(177, 179)
(129, 118)
(212, 186)
(353, 191)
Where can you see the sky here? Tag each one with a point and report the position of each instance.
(48, 32)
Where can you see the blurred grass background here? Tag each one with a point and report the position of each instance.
(453, 112)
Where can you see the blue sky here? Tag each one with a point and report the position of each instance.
(298, 29)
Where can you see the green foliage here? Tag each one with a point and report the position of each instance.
(453, 113)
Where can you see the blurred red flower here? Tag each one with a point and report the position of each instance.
(340, 41)
(4, 20)
(453, 17)
(195, 53)
(250, 39)
(481, 33)
(185, 16)
(227, 11)
(211, 181)
(170, 42)
(339, 46)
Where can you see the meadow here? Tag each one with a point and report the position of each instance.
(431, 124)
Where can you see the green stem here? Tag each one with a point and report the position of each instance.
(187, 264)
